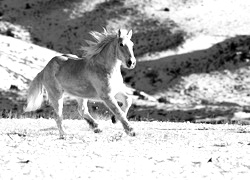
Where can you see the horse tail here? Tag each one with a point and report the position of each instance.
(35, 93)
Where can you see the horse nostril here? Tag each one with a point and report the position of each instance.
(129, 63)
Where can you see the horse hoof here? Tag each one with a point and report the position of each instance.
(113, 119)
(130, 132)
(62, 137)
(97, 130)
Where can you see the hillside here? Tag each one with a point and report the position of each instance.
(194, 55)
(63, 25)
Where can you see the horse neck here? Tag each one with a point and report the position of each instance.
(108, 57)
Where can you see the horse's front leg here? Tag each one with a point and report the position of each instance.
(112, 104)
(124, 101)
(84, 112)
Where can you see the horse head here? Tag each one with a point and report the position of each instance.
(125, 51)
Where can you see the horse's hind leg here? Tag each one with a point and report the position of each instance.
(55, 95)
(58, 107)
(84, 112)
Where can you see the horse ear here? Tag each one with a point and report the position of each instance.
(130, 34)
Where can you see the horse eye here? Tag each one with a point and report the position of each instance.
(121, 45)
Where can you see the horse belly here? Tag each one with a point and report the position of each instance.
(83, 90)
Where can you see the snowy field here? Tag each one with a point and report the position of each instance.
(30, 149)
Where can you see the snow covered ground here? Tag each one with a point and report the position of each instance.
(30, 149)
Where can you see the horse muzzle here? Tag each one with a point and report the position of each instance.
(131, 63)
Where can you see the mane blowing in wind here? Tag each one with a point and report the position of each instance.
(101, 39)
(96, 76)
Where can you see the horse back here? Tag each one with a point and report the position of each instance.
(72, 75)
(65, 65)
(66, 57)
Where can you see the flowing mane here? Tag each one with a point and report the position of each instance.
(100, 41)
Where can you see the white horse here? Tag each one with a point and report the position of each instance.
(96, 76)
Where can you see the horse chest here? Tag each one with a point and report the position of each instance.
(115, 80)
(107, 83)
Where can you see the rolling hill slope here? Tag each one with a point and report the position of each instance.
(194, 55)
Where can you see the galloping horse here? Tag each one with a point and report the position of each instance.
(96, 76)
